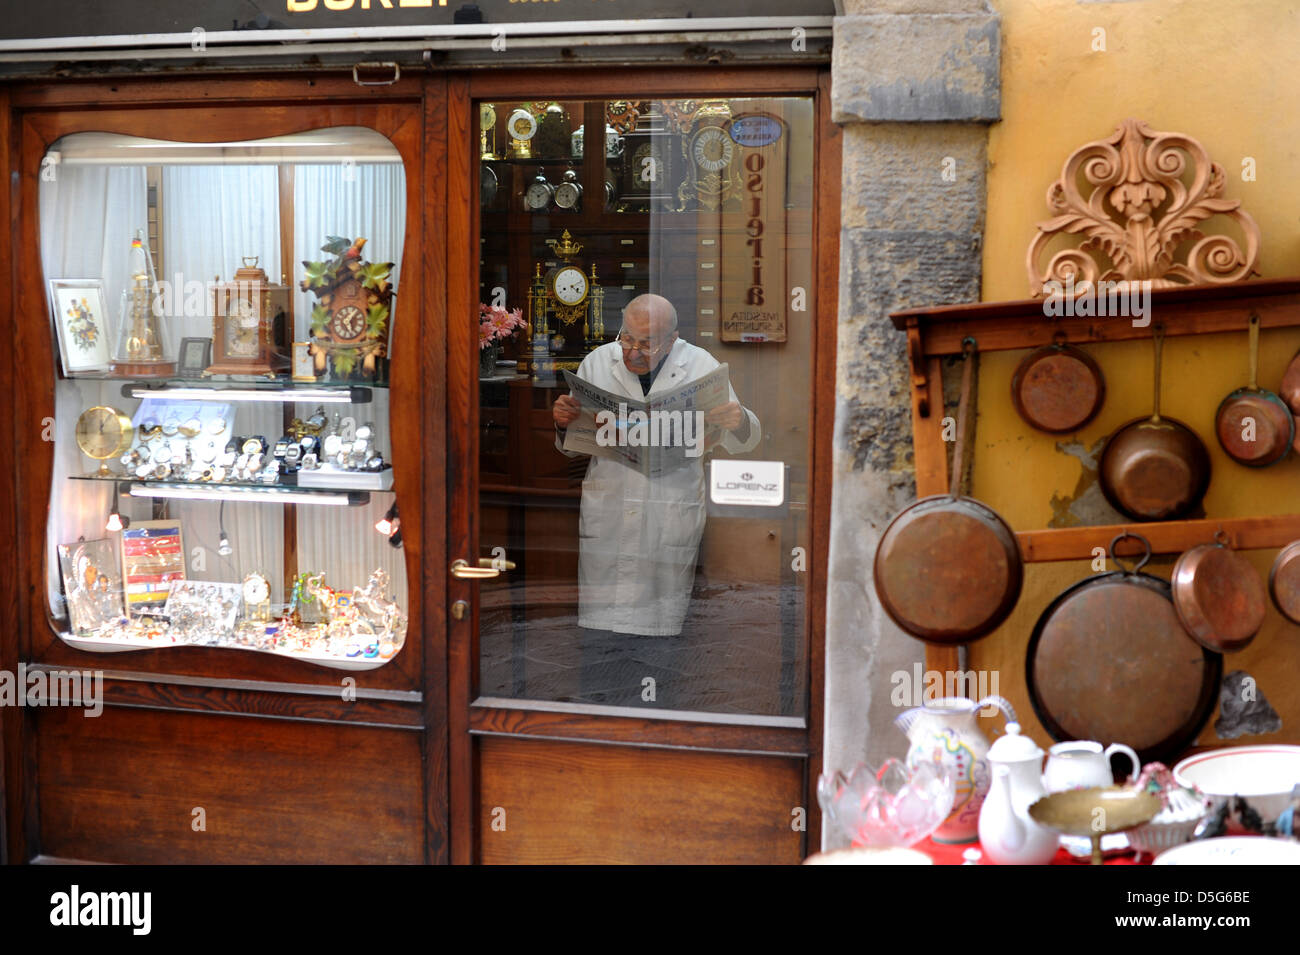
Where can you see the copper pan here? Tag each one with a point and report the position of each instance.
(1290, 387)
(1109, 660)
(948, 569)
(1284, 582)
(1218, 596)
(1058, 388)
(1156, 468)
(1255, 426)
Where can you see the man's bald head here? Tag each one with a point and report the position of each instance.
(648, 318)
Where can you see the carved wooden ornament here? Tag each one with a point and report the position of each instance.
(1136, 198)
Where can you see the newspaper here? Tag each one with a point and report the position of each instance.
(656, 435)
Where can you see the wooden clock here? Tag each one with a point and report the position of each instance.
(250, 325)
(349, 323)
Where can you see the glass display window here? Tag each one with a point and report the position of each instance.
(223, 314)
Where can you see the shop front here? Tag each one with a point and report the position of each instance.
(294, 494)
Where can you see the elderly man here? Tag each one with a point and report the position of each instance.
(639, 536)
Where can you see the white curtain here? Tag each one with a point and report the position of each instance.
(88, 216)
(363, 200)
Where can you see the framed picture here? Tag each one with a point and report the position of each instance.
(92, 584)
(196, 355)
(303, 369)
(81, 316)
(153, 555)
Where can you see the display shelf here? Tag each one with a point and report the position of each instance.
(93, 644)
(190, 389)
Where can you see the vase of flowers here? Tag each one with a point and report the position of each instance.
(495, 327)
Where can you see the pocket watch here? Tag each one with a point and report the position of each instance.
(215, 425)
(569, 192)
(206, 451)
(332, 445)
(190, 428)
(162, 454)
(538, 195)
(150, 430)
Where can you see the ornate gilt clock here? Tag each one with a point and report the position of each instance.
(250, 326)
(713, 175)
(566, 303)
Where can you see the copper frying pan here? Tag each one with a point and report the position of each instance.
(1284, 582)
(1156, 468)
(1255, 426)
(1218, 596)
(1058, 388)
(948, 569)
(1109, 660)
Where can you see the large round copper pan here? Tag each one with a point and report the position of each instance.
(1156, 468)
(1058, 388)
(1218, 596)
(948, 568)
(1109, 660)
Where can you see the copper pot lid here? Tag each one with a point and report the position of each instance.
(1218, 596)
(1284, 582)
(1058, 388)
(1109, 660)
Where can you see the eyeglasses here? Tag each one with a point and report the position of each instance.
(639, 344)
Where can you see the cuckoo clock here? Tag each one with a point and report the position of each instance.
(349, 323)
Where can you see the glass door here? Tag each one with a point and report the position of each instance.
(645, 322)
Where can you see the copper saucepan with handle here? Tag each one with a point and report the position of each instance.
(1255, 426)
(1218, 595)
(948, 569)
(1156, 468)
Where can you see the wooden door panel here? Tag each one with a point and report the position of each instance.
(548, 802)
(123, 788)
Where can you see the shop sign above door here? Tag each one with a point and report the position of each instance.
(145, 20)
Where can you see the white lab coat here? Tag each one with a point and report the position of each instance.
(638, 537)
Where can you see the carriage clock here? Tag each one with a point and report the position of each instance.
(573, 297)
(250, 325)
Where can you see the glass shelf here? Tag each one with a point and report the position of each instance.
(251, 390)
(255, 491)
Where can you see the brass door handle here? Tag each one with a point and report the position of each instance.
(488, 567)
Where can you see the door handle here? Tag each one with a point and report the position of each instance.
(488, 567)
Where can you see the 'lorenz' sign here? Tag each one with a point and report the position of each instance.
(90, 19)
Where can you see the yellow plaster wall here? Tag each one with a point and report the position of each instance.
(1225, 74)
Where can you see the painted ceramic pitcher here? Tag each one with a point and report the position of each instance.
(945, 731)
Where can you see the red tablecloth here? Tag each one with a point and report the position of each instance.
(944, 854)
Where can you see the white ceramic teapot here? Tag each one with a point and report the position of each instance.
(1008, 835)
(1083, 764)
